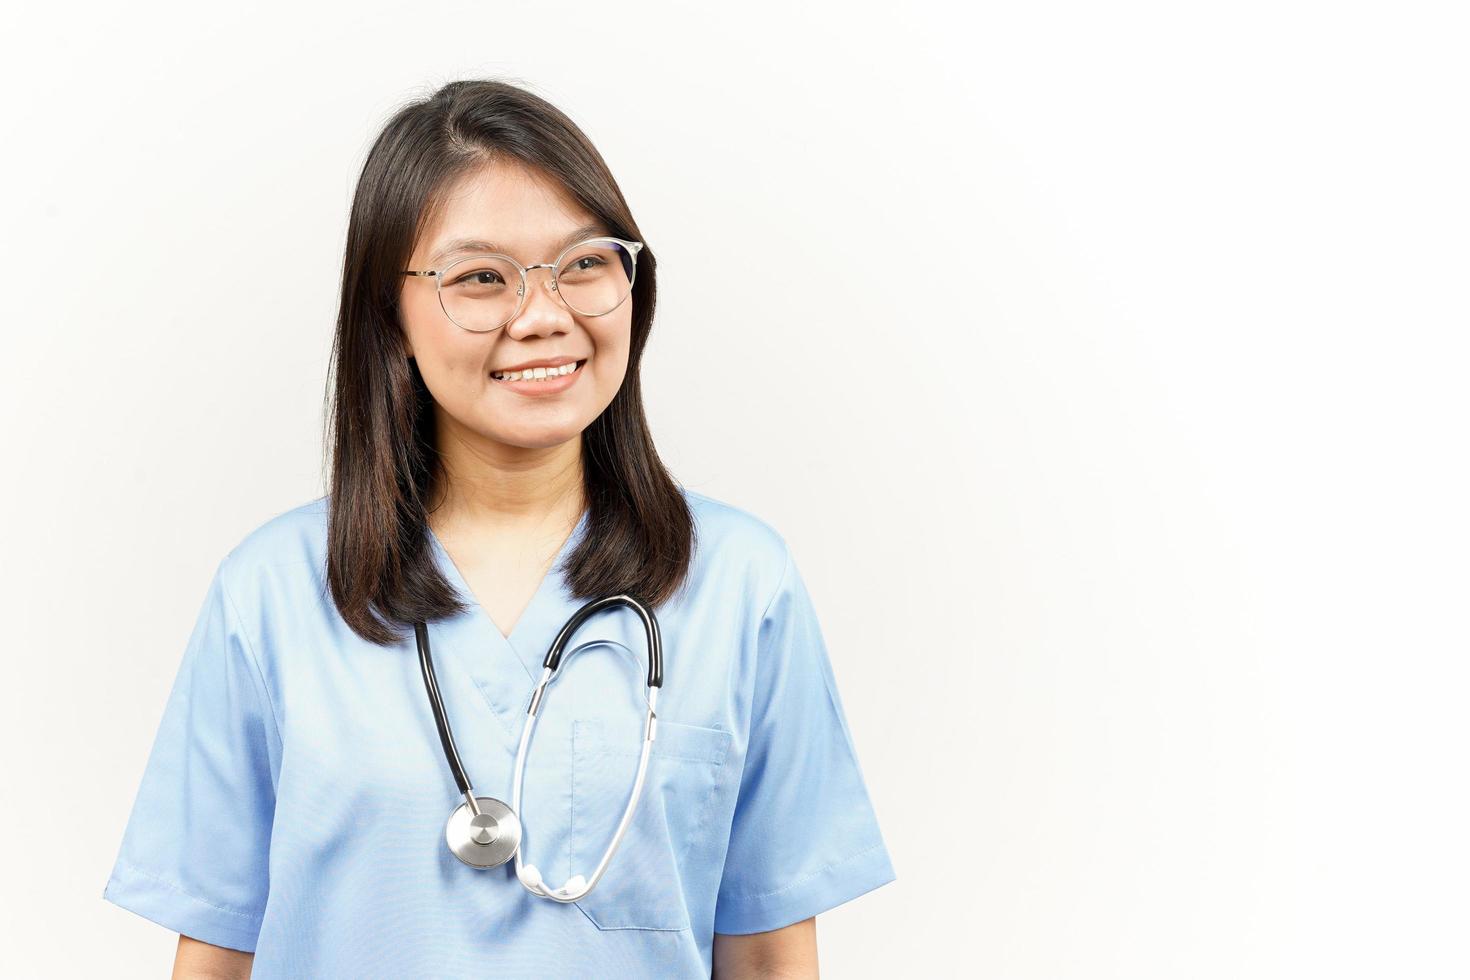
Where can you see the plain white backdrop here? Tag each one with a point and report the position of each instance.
(1105, 366)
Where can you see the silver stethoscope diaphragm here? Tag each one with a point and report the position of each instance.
(486, 839)
(484, 832)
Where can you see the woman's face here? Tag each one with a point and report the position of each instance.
(530, 218)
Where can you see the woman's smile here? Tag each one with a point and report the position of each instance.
(540, 380)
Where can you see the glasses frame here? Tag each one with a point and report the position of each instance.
(632, 247)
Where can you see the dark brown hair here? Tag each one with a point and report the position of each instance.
(380, 423)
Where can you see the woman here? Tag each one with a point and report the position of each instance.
(492, 471)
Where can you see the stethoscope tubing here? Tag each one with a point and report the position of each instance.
(576, 887)
(441, 721)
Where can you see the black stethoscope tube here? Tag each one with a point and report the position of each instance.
(652, 634)
(426, 663)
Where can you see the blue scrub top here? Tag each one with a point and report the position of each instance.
(295, 797)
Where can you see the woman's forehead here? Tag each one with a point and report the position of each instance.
(510, 209)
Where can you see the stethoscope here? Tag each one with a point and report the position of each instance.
(485, 833)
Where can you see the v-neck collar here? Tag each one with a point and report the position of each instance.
(534, 630)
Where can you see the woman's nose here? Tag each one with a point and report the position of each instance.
(542, 309)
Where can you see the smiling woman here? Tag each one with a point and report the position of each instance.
(492, 472)
(521, 310)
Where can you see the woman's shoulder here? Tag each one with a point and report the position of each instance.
(288, 543)
(733, 536)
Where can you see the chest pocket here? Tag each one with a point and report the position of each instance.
(641, 888)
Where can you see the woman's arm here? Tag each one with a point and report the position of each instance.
(201, 961)
(781, 954)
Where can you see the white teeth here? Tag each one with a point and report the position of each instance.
(535, 374)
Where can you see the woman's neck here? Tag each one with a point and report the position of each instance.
(498, 490)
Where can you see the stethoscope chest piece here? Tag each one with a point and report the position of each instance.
(484, 840)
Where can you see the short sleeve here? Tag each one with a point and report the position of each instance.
(804, 837)
(194, 855)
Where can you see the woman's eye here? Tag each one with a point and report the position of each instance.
(591, 261)
(483, 277)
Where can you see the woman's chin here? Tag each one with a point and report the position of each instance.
(536, 436)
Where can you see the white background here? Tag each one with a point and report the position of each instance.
(1103, 364)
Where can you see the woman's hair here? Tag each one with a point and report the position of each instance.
(380, 425)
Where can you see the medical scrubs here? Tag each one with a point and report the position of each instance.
(295, 797)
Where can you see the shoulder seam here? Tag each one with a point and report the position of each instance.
(250, 649)
(780, 582)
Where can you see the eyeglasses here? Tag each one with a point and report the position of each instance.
(485, 292)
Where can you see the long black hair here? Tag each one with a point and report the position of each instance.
(380, 429)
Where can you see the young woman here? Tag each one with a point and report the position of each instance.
(492, 472)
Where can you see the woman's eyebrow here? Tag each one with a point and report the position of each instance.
(458, 245)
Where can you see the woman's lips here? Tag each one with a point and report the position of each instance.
(546, 386)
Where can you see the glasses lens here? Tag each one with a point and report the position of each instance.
(479, 293)
(595, 276)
